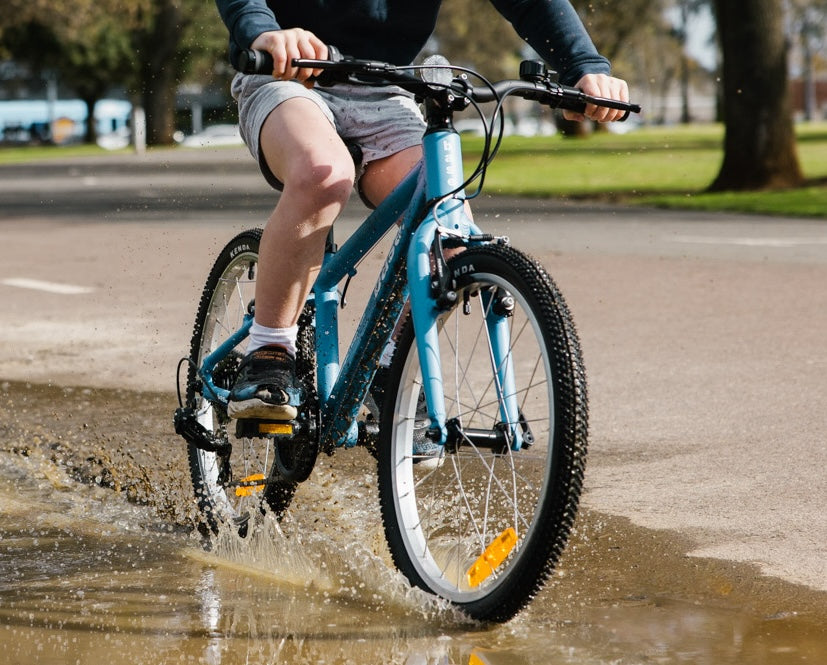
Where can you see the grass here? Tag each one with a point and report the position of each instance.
(655, 166)
(801, 202)
(667, 167)
(23, 154)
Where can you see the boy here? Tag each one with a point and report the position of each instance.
(298, 136)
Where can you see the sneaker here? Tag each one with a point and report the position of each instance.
(425, 451)
(266, 387)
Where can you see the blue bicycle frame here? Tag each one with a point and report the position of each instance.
(430, 190)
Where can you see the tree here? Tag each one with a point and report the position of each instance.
(466, 31)
(147, 46)
(85, 41)
(173, 38)
(615, 25)
(759, 145)
(156, 44)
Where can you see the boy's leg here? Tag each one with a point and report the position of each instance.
(304, 153)
(382, 175)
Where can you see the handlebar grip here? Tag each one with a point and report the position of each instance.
(581, 109)
(251, 61)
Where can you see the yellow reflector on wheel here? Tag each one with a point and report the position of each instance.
(275, 428)
(492, 557)
(250, 484)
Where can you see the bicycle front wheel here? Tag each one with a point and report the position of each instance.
(483, 523)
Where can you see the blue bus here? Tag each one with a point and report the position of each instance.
(61, 121)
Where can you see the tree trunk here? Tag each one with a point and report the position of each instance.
(572, 128)
(683, 38)
(159, 104)
(759, 146)
(159, 74)
(809, 76)
(91, 135)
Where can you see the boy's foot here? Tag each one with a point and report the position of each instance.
(266, 387)
(425, 452)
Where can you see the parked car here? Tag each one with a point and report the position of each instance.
(529, 126)
(632, 123)
(212, 136)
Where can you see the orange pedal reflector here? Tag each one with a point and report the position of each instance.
(275, 428)
(476, 659)
(492, 557)
(250, 484)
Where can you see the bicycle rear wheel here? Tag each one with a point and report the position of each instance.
(484, 524)
(230, 489)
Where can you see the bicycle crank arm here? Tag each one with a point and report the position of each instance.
(187, 425)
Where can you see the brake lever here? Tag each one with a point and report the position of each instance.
(343, 63)
(338, 70)
(570, 99)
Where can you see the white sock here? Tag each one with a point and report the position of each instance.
(264, 336)
(387, 353)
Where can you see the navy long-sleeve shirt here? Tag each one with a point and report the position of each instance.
(396, 30)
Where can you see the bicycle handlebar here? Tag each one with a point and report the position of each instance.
(536, 86)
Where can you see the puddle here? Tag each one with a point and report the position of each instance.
(97, 565)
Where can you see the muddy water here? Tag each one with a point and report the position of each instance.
(98, 563)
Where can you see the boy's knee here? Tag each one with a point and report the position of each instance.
(322, 183)
(327, 182)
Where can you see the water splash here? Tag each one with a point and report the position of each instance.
(331, 543)
(266, 552)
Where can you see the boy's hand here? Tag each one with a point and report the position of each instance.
(600, 85)
(285, 45)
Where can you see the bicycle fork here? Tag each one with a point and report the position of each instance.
(448, 215)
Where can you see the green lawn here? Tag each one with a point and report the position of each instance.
(20, 155)
(668, 167)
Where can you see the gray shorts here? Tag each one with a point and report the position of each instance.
(381, 121)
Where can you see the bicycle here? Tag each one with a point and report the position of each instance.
(487, 364)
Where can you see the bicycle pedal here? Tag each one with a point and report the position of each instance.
(251, 428)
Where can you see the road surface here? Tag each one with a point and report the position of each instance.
(705, 336)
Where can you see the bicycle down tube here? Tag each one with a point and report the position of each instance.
(341, 388)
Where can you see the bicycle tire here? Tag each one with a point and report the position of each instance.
(446, 518)
(226, 297)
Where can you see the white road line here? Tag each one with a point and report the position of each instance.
(751, 242)
(49, 287)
